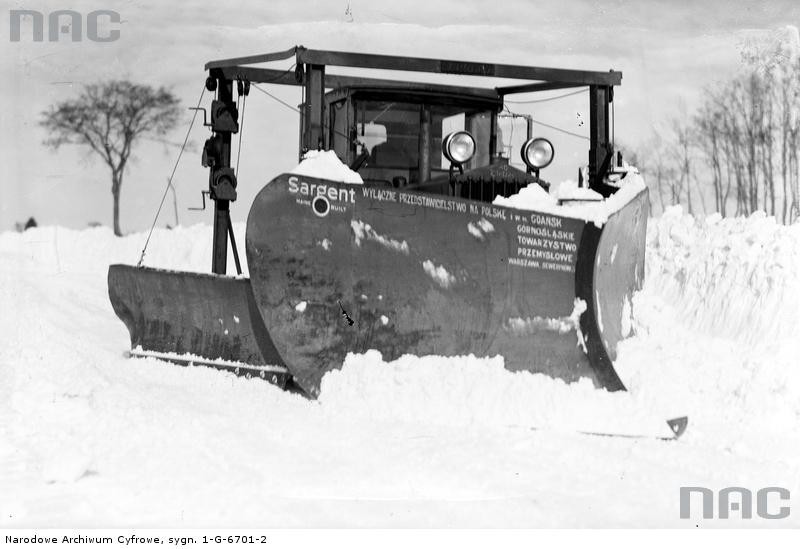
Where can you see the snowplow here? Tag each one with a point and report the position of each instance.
(404, 229)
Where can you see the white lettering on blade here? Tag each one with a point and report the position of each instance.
(331, 192)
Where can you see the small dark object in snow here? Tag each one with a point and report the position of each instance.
(350, 321)
(20, 227)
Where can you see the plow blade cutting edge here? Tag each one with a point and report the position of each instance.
(352, 268)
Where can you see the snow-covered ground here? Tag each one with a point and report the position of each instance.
(89, 437)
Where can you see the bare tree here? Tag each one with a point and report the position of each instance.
(708, 127)
(683, 154)
(747, 131)
(110, 118)
(653, 159)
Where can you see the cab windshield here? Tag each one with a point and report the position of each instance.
(404, 139)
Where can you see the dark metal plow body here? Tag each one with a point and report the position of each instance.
(338, 268)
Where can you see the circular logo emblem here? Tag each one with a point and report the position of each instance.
(321, 206)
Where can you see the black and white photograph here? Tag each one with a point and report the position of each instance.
(350, 264)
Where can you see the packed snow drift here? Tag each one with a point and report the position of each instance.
(578, 202)
(325, 164)
(91, 437)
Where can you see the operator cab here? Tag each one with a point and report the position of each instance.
(394, 137)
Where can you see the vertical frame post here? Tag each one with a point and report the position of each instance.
(313, 130)
(219, 260)
(599, 148)
(494, 155)
(425, 143)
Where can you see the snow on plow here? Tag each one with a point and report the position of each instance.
(404, 230)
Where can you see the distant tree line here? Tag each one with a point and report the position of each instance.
(739, 152)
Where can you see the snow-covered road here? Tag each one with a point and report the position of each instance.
(89, 437)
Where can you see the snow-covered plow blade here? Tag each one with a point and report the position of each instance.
(338, 268)
(194, 318)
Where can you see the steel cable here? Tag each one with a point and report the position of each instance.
(172, 175)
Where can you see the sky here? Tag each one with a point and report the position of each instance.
(668, 52)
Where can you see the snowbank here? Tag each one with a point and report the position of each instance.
(533, 197)
(57, 249)
(471, 391)
(326, 165)
(737, 277)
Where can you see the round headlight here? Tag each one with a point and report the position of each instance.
(537, 153)
(458, 147)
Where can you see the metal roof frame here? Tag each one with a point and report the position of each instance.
(545, 78)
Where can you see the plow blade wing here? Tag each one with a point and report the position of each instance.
(339, 268)
(193, 318)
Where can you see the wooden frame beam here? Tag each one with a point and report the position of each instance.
(249, 60)
(273, 76)
(445, 66)
(536, 87)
